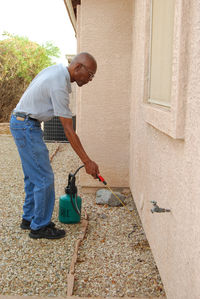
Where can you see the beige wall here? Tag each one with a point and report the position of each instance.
(103, 107)
(155, 151)
(162, 167)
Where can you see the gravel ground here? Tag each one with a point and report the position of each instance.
(109, 262)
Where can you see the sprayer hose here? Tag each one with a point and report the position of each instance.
(78, 170)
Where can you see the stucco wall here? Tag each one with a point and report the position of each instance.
(161, 149)
(166, 169)
(103, 106)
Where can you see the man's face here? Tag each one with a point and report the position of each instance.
(85, 74)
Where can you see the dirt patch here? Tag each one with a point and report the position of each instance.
(4, 129)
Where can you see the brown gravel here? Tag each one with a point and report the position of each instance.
(109, 263)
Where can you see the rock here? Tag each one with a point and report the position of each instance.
(103, 216)
(114, 202)
(104, 196)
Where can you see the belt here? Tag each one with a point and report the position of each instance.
(23, 116)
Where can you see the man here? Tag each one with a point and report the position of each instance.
(47, 96)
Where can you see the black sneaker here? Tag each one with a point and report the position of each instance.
(25, 224)
(47, 232)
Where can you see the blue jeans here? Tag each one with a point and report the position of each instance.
(38, 175)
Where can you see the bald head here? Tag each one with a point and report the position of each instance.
(82, 68)
(84, 58)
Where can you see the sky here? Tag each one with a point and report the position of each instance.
(40, 21)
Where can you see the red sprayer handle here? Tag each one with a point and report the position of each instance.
(101, 179)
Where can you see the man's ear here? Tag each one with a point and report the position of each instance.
(78, 67)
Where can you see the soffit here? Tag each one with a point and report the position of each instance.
(71, 6)
(74, 4)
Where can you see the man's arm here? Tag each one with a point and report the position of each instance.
(90, 166)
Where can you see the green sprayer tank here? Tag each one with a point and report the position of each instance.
(70, 203)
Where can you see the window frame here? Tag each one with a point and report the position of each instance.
(168, 119)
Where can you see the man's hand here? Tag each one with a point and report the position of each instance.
(92, 168)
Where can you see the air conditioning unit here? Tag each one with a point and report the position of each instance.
(53, 130)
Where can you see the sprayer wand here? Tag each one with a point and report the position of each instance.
(101, 179)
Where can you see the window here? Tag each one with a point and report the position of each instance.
(166, 65)
(162, 25)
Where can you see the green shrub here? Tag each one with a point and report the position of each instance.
(20, 61)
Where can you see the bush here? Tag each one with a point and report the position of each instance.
(20, 61)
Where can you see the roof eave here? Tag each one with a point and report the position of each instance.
(70, 10)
